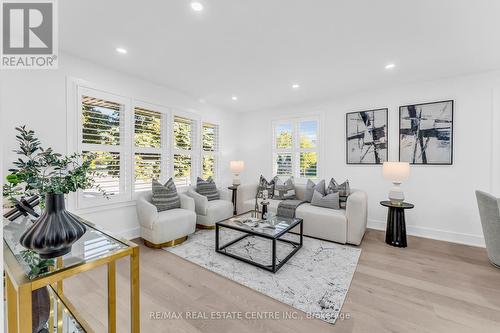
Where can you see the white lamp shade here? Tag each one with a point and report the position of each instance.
(236, 166)
(396, 171)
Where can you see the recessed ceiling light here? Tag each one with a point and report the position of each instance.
(390, 66)
(234, 98)
(295, 86)
(196, 6)
(121, 50)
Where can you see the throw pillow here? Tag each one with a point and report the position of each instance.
(330, 200)
(344, 189)
(284, 189)
(165, 197)
(265, 185)
(207, 188)
(311, 187)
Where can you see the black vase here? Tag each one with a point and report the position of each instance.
(55, 230)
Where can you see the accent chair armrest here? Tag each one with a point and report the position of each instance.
(187, 202)
(200, 202)
(146, 212)
(357, 216)
(225, 195)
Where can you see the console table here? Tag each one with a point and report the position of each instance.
(395, 233)
(23, 276)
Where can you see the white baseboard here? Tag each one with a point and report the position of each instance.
(454, 237)
(130, 233)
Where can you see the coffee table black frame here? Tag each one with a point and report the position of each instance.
(274, 267)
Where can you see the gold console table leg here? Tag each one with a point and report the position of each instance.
(112, 297)
(11, 304)
(24, 308)
(135, 321)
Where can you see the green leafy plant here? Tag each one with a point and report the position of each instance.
(39, 171)
(36, 264)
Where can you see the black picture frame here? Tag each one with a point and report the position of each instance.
(386, 112)
(451, 136)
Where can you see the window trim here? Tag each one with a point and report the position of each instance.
(164, 147)
(215, 153)
(74, 86)
(295, 150)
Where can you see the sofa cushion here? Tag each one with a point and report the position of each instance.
(165, 197)
(207, 188)
(330, 200)
(311, 187)
(284, 189)
(323, 223)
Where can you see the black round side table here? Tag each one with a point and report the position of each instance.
(395, 233)
(234, 189)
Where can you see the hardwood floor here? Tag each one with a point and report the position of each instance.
(431, 286)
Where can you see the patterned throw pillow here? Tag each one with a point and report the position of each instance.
(344, 189)
(207, 188)
(284, 189)
(330, 200)
(265, 185)
(165, 197)
(311, 187)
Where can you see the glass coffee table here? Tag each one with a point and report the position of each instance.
(275, 229)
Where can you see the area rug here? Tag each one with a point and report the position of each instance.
(315, 280)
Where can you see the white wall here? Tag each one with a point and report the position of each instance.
(445, 206)
(38, 99)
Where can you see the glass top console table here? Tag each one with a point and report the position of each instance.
(25, 273)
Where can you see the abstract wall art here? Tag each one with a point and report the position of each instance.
(366, 137)
(426, 133)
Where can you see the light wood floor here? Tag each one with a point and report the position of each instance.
(431, 286)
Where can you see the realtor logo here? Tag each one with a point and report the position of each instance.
(29, 34)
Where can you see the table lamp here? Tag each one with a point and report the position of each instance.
(236, 168)
(396, 172)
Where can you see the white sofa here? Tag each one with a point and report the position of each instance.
(210, 212)
(166, 228)
(342, 226)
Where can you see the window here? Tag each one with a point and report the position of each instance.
(132, 142)
(102, 118)
(210, 148)
(148, 147)
(184, 150)
(295, 148)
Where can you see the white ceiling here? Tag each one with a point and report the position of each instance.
(255, 49)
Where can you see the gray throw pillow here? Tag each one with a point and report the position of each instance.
(284, 190)
(165, 197)
(311, 187)
(327, 201)
(344, 189)
(265, 185)
(207, 188)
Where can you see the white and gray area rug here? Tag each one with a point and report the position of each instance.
(315, 280)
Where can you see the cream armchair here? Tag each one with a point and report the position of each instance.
(210, 212)
(166, 228)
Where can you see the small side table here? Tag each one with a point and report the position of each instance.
(234, 188)
(395, 233)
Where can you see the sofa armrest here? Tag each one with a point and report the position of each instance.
(225, 195)
(357, 215)
(200, 202)
(245, 192)
(146, 213)
(187, 202)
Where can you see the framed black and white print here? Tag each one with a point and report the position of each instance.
(426, 133)
(366, 137)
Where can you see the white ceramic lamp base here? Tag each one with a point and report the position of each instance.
(396, 195)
